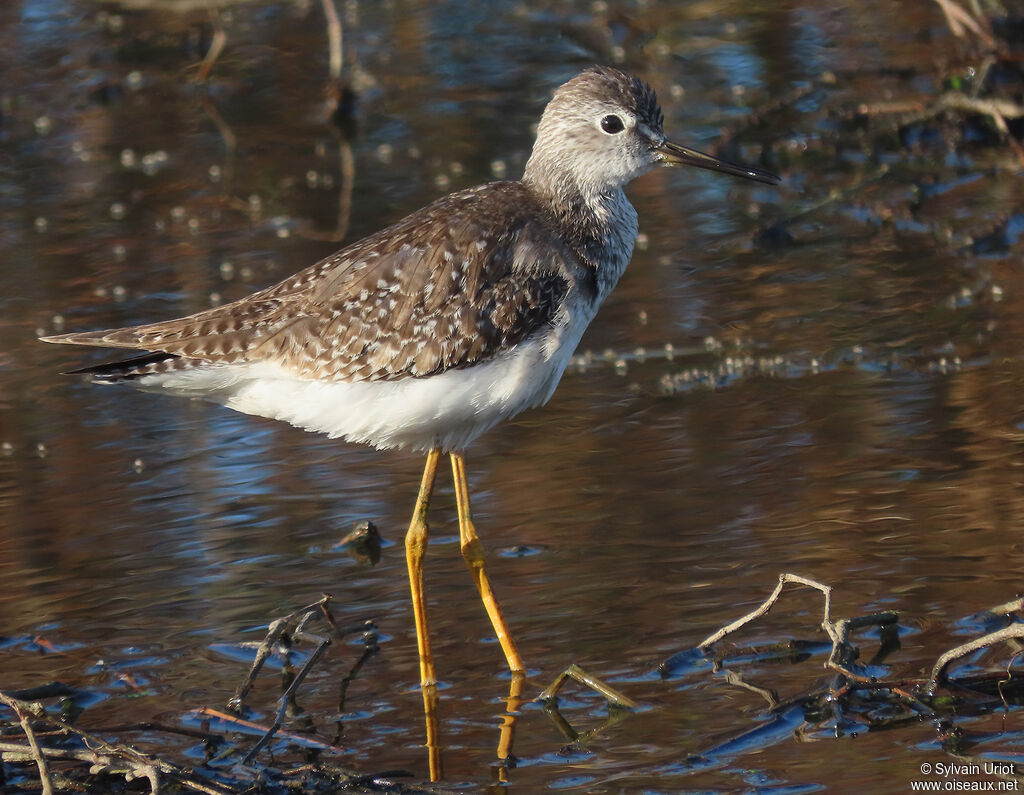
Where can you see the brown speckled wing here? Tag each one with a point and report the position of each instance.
(451, 285)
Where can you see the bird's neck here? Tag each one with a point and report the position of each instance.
(600, 225)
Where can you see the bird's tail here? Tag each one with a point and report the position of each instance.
(128, 369)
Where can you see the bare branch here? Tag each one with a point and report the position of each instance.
(24, 710)
(768, 604)
(1012, 632)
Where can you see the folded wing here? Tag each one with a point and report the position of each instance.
(390, 306)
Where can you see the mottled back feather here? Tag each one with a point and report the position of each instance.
(451, 285)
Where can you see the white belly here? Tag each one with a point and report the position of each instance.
(448, 410)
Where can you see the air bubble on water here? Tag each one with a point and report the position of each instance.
(282, 225)
(152, 162)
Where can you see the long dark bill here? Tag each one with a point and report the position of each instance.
(678, 155)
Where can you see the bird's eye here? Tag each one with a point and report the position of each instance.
(612, 124)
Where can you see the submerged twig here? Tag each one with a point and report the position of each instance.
(916, 694)
(369, 649)
(843, 654)
(574, 672)
(960, 21)
(333, 38)
(101, 755)
(274, 632)
(1012, 632)
(286, 699)
(766, 693)
(217, 43)
(998, 110)
(23, 710)
(1014, 606)
(766, 606)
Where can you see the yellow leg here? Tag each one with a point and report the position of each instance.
(508, 726)
(473, 552)
(415, 547)
(433, 733)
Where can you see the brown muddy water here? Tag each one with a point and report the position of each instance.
(843, 397)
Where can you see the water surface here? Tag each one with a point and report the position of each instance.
(842, 400)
